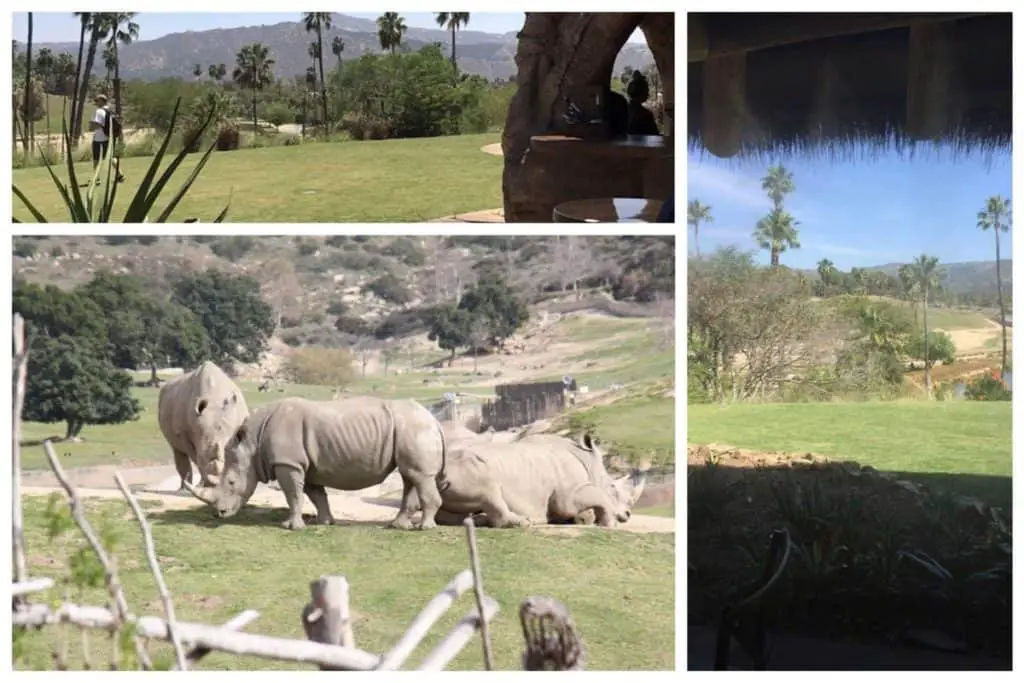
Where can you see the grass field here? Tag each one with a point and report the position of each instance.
(964, 444)
(372, 181)
(605, 578)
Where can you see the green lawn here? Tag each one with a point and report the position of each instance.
(372, 181)
(619, 586)
(964, 444)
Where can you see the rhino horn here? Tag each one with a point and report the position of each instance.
(639, 481)
(207, 495)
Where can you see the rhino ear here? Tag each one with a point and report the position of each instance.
(588, 441)
(200, 406)
(241, 433)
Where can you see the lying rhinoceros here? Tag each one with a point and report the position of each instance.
(346, 444)
(541, 478)
(198, 413)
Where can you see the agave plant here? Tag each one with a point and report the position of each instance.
(89, 208)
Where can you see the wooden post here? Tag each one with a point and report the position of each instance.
(929, 81)
(724, 103)
(328, 619)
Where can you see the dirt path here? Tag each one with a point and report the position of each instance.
(974, 340)
(159, 484)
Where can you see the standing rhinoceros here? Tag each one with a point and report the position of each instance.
(540, 478)
(198, 413)
(347, 444)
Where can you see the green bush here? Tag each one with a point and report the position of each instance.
(337, 308)
(306, 247)
(988, 387)
(406, 251)
(319, 366)
(24, 248)
(234, 247)
(391, 289)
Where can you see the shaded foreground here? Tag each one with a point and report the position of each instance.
(852, 573)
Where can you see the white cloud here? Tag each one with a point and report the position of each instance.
(719, 184)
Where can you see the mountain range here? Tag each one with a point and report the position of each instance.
(965, 277)
(491, 55)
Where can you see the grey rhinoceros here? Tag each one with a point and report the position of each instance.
(539, 478)
(347, 444)
(198, 413)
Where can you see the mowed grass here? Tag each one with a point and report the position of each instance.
(962, 445)
(619, 586)
(371, 181)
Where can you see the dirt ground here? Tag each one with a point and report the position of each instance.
(973, 341)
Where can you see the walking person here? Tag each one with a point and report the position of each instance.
(103, 129)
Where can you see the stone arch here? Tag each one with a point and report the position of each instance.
(558, 52)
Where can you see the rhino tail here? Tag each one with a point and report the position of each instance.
(442, 479)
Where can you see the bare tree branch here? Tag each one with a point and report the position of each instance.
(154, 567)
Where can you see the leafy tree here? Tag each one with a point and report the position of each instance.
(449, 327)
(494, 301)
(71, 380)
(254, 70)
(697, 213)
(390, 30)
(319, 22)
(453, 21)
(237, 321)
(926, 275)
(937, 347)
(996, 217)
(51, 312)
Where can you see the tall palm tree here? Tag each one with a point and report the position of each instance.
(109, 62)
(337, 47)
(319, 22)
(97, 29)
(452, 21)
(996, 217)
(390, 30)
(254, 69)
(825, 271)
(926, 274)
(908, 283)
(29, 118)
(697, 213)
(123, 30)
(777, 231)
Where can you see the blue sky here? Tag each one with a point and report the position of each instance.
(59, 27)
(863, 212)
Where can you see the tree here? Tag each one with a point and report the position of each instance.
(697, 213)
(254, 70)
(121, 29)
(494, 301)
(217, 72)
(319, 22)
(29, 135)
(926, 275)
(75, 125)
(573, 260)
(337, 47)
(453, 21)
(281, 287)
(237, 321)
(826, 270)
(477, 336)
(777, 231)
(197, 71)
(97, 28)
(449, 327)
(390, 30)
(51, 312)
(996, 217)
(936, 347)
(71, 380)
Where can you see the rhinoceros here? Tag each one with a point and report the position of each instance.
(198, 413)
(347, 444)
(539, 478)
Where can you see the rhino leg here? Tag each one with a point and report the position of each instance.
(410, 504)
(292, 481)
(184, 467)
(498, 512)
(318, 494)
(591, 497)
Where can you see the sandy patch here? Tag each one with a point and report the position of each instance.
(494, 149)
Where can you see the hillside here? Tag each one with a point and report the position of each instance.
(967, 277)
(490, 55)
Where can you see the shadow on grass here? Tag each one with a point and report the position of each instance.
(246, 517)
(852, 577)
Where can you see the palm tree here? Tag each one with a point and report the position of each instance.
(109, 61)
(453, 21)
(76, 110)
(122, 30)
(926, 274)
(217, 72)
(337, 47)
(390, 29)
(825, 270)
(996, 217)
(28, 90)
(777, 231)
(319, 22)
(254, 69)
(197, 71)
(697, 213)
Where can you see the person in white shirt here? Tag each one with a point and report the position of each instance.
(100, 140)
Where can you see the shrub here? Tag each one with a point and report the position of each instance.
(306, 247)
(320, 366)
(147, 240)
(228, 137)
(406, 251)
(234, 247)
(391, 289)
(24, 249)
(56, 251)
(337, 308)
(350, 324)
(988, 387)
(404, 323)
(336, 240)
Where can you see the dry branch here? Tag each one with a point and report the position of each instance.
(235, 624)
(201, 635)
(154, 567)
(21, 365)
(31, 586)
(328, 619)
(110, 572)
(459, 636)
(478, 590)
(427, 617)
